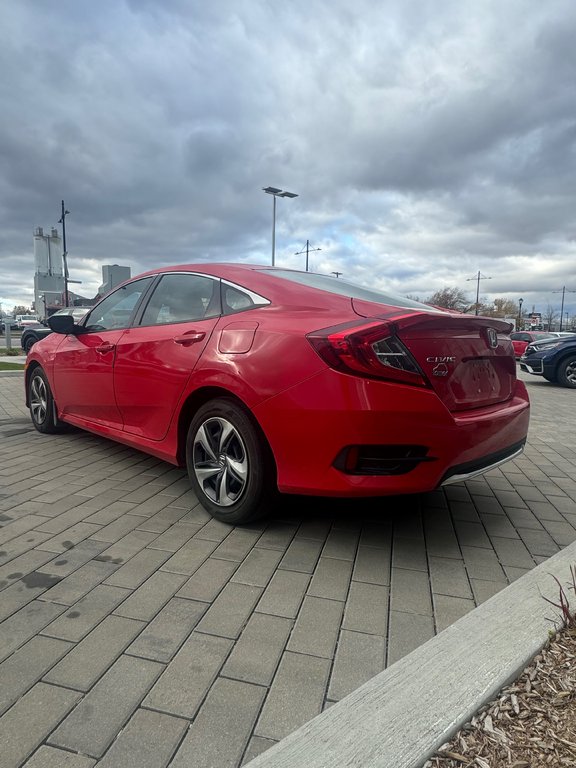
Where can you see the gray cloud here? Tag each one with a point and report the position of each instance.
(425, 142)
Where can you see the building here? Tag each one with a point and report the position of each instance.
(50, 282)
(112, 275)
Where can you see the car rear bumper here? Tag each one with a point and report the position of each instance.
(310, 425)
(472, 469)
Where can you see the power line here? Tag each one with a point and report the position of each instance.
(564, 291)
(478, 277)
(307, 249)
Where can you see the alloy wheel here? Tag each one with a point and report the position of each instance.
(38, 399)
(220, 461)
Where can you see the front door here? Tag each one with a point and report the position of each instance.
(84, 366)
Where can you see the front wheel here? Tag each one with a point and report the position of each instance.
(567, 372)
(229, 463)
(29, 343)
(42, 406)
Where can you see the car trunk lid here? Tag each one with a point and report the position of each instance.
(468, 360)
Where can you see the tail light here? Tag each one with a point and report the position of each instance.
(370, 350)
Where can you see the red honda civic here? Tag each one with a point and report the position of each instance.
(263, 380)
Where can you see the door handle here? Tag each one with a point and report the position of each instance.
(105, 347)
(190, 338)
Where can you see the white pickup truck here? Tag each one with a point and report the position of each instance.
(25, 321)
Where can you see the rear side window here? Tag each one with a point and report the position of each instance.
(343, 288)
(181, 297)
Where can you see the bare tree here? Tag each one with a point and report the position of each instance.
(549, 317)
(500, 308)
(450, 298)
(20, 309)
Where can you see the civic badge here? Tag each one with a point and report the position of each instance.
(492, 337)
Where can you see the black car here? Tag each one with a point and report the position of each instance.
(31, 335)
(554, 359)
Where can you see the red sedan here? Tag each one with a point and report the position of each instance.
(521, 339)
(263, 380)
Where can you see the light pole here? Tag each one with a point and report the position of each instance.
(563, 292)
(520, 302)
(62, 220)
(307, 251)
(275, 192)
(478, 277)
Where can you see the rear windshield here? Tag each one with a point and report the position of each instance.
(344, 288)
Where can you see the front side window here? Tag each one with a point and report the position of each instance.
(116, 310)
(181, 297)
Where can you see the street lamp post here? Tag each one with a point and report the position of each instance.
(275, 192)
(520, 302)
(62, 220)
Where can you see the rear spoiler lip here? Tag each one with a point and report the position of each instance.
(405, 317)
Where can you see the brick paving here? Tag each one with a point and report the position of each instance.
(136, 631)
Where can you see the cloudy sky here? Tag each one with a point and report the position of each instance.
(426, 140)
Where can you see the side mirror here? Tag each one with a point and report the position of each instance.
(63, 324)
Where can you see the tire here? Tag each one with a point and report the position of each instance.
(229, 463)
(566, 372)
(42, 406)
(29, 343)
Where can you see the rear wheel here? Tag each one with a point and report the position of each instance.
(229, 463)
(567, 372)
(42, 406)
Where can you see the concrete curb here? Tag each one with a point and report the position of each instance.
(400, 717)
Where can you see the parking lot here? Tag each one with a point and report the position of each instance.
(135, 630)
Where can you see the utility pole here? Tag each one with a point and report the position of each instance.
(336, 273)
(563, 292)
(478, 277)
(308, 249)
(62, 220)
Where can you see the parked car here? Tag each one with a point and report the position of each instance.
(554, 359)
(34, 333)
(25, 321)
(263, 380)
(8, 320)
(521, 339)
